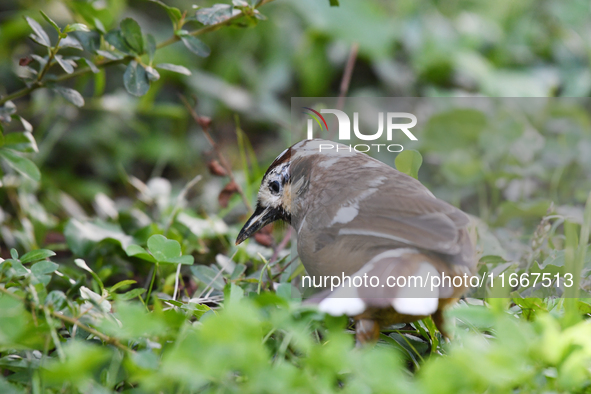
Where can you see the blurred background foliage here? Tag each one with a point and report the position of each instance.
(88, 266)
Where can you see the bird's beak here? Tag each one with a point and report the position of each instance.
(260, 218)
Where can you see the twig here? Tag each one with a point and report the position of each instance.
(285, 267)
(75, 322)
(211, 282)
(106, 63)
(205, 127)
(98, 334)
(281, 246)
(345, 81)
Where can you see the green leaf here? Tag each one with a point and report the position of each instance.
(185, 260)
(21, 164)
(109, 55)
(146, 359)
(90, 41)
(6, 111)
(150, 47)
(67, 66)
(152, 73)
(92, 66)
(233, 293)
(215, 14)
(40, 34)
(25, 123)
(50, 21)
(194, 44)
(77, 27)
(121, 284)
(44, 267)
(41, 272)
(197, 310)
(409, 162)
(22, 142)
(36, 255)
(239, 269)
(135, 79)
(174, 14)
(19, 269)
(174, 68)
(56, 299)
(334, 3)
(132, 320)
(71, 42)
(131, 294)
(207, 274)
(99, 25)
(115, 38)
(139, 252)
(163, 249)
(38, 40)
(83, 236)
(82, 361)
(132, 33)
(288, 291)
(14, 254)
(70, 95)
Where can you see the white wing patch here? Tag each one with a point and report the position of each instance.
(345, 214)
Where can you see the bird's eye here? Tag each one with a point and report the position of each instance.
(274, 187)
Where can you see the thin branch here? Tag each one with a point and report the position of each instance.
(345, 81)
(278, 274)
(106, 63)
(281, 246)
(52, 52)
(71, 320)
(39, 84)
(98, 334)
(205, 127)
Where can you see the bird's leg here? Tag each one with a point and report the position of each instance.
(439, 321)
(366, 332)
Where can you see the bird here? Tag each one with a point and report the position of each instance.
(354, 217)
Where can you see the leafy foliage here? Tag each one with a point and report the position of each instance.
(119, 276)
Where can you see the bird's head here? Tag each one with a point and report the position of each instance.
(274, 197)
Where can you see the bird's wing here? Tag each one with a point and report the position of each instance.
(371, 199)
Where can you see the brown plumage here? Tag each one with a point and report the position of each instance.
(355, 216)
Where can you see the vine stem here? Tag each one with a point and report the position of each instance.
(71, 320)
(52, 52)
(107, 63)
